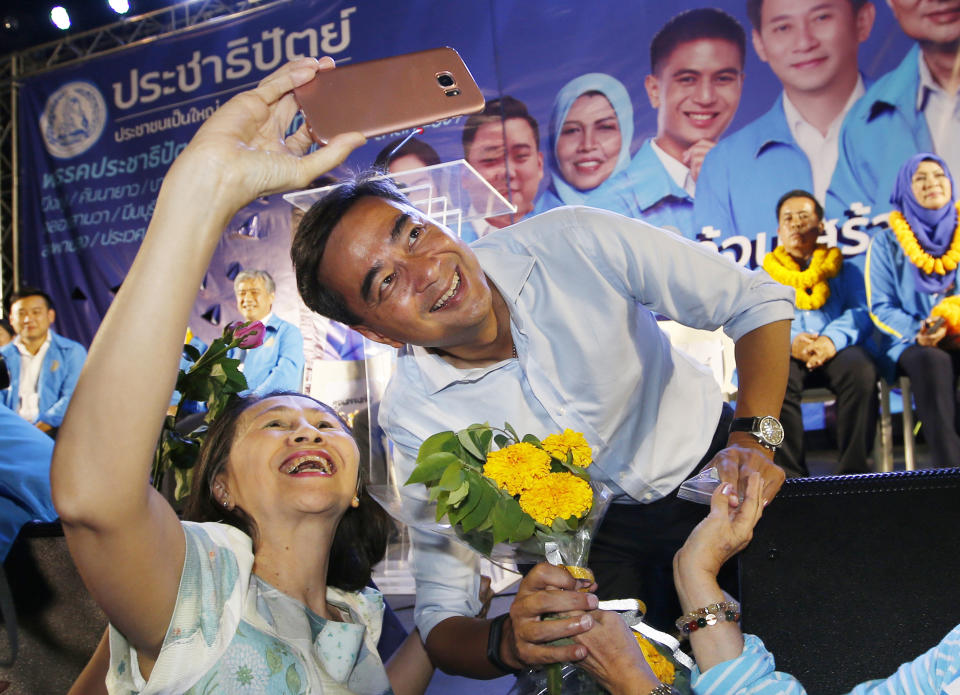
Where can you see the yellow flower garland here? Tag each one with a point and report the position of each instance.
(920, 258)
(811, 284)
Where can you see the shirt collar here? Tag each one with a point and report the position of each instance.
(926, 84)
(795, 119)
(678, 171)
(26, 353)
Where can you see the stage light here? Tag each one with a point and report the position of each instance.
(60, 17)
(119, 6)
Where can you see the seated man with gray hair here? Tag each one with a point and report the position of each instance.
(277, 365)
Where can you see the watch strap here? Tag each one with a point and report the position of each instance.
(493, 644)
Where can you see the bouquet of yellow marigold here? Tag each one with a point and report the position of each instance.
(535, 494)
(949, 309)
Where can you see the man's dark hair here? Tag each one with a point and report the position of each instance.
(692, 25)
(314, 230)
(27, 291)
(755, 8)
(800, 193)
(498, 111)
(417, 148)
(360, 540)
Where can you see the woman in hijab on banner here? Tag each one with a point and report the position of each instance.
(591, 129)
(911, 278)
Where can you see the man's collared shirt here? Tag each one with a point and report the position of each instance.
(942, 112)
(583, 287)
(30, 366)
(821, 150)
(678, 171)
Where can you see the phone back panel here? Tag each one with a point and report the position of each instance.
(389, 94)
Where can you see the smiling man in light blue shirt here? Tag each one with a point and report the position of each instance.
(547, 324)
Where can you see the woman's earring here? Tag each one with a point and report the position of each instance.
(355, 502)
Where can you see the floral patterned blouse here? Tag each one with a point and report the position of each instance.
(232, 633)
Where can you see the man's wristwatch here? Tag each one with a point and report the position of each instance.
(493, 644)
(767, 430)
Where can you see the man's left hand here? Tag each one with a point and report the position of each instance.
(745, 455)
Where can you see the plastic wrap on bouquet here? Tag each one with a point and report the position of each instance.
(451, 193)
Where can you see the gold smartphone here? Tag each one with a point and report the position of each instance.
(389, 94)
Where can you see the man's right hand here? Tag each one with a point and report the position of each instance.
(801, 345)
(931, 338)
(546, 589)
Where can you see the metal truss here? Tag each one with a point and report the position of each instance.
(74, 49)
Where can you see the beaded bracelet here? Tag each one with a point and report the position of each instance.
(709, 615)
(664, 689)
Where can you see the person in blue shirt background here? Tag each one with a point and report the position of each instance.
(899, 110)
(811, 46)
(902, 297)
(695, 83)
(44, 366)
(591, 128)
(277, 365)
(829, 329)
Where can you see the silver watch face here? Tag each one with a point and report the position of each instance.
(771, 431)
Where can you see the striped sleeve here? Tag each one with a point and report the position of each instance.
(937, 672)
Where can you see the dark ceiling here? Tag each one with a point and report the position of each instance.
(32, 25)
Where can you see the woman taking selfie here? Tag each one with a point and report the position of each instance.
(267, 595)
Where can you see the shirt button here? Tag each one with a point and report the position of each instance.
(561, 410)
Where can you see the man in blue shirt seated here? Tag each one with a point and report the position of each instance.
(811, 46)
(44, 366)
(695, 82)
(829, 328)
(910, 109)
(277, 365)
(550, 324)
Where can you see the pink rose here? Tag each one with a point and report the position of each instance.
(250, 335)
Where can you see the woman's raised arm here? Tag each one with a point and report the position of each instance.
(124, 538)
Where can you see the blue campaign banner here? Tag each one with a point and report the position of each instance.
(96, 138)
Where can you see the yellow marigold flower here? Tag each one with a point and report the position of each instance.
(559, 444)
(557, 496)
(662, 666)
(516, 467)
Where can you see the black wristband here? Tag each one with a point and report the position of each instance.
(493, 645)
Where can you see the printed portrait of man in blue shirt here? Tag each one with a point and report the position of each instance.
(812, 48)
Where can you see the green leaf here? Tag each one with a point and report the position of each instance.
(559, 526)
(488, 498)
(443, 509)
(501, 440)
(435, 493)
(530, 439)
(452, 477)
(441, 441)
(274, 661)
(524, 529)
(576, 470)
(506, 515)
(457, 495)
(483, 439)
(217, 374)
(430, 469)
(293, 679)
(470, 446)
(474, 495)
(513, 433)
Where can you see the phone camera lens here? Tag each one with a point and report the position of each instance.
(445, 79)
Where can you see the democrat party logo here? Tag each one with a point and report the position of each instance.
(73, 119)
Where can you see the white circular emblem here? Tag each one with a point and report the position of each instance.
(73, 119)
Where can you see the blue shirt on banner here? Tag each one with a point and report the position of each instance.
(741, 180)
(649, 193)
(882, 131)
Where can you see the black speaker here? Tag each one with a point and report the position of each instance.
(59, 624)
(848, 577)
